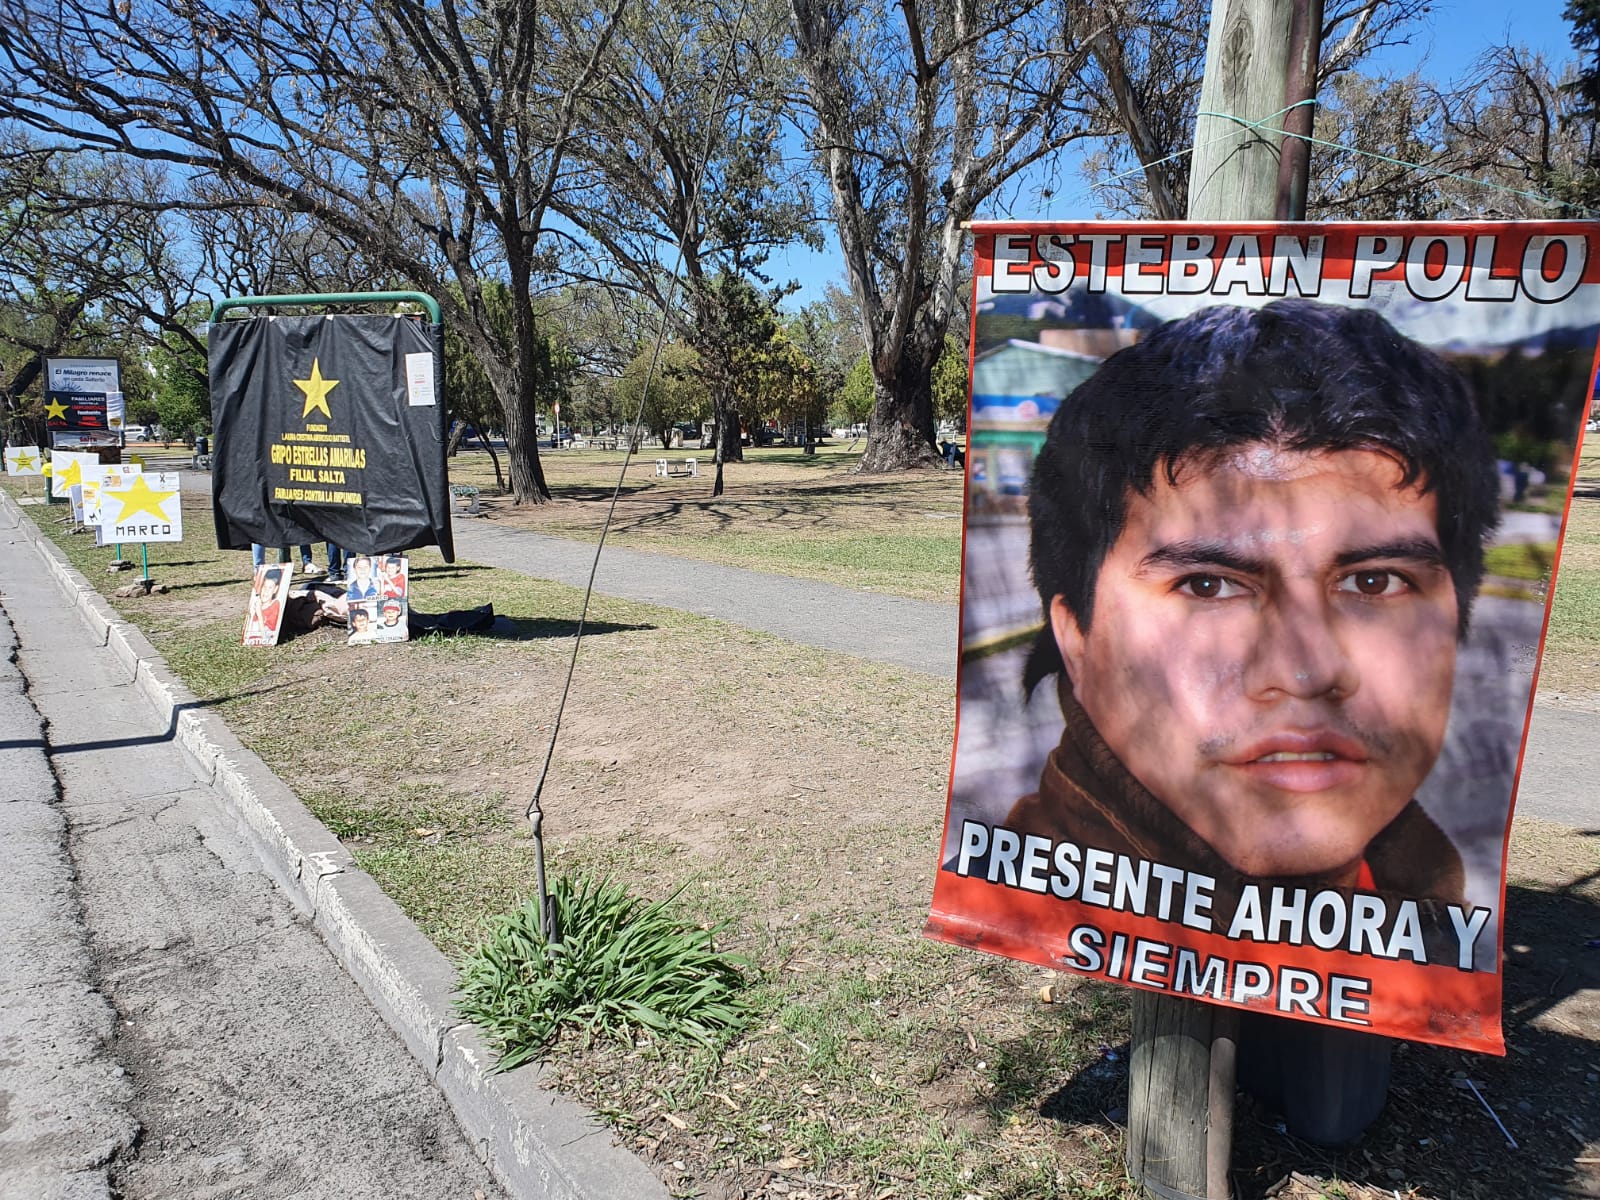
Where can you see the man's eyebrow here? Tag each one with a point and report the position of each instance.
(1201, 553)
(1418, 550)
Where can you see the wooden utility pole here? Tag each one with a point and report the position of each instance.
(1261, 58)
(1300, 92)
(1233, 174)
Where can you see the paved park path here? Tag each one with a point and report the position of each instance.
(919, 634)
(1563, 761)
(168, 1025)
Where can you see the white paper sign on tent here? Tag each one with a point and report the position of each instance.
(24, 460)
(146, 508)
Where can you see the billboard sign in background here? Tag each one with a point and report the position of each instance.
(1412, 952)
(90, 376)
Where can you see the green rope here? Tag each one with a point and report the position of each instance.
(1537, 197)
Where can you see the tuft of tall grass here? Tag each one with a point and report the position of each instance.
(621, 964)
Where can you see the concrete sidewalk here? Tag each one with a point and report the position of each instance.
(203, 995)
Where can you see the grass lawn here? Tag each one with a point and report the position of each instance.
(782, 512)
(797, 796)
(1571, 662)
(794, 794)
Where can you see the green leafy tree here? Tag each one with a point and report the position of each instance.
(181, 396)
(856, 397)
(677, 393)
(950, 382)
(473, 399)
(686, 164)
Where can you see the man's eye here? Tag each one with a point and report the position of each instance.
(1209, 587)
(1374, 583)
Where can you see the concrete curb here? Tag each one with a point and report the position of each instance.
(537, 1142)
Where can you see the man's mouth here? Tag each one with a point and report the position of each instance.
(1302, 761)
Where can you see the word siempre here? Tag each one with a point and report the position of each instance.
(1545, 268)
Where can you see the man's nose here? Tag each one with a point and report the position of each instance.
(1300, 651)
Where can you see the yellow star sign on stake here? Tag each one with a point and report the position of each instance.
(316, 389)
(25, 461)
(138, 497)
(54, 410)
(70, 474)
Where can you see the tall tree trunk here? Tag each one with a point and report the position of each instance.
(522, 448)
(900, 429)
(458, 434)
(499, 479)
(729, 447)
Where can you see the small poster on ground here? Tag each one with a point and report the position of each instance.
(24, 460)
(140, 507)
(269, 592)
(378, 599)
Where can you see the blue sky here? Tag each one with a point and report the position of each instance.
(1445, 44)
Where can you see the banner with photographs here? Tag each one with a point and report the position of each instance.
(1260, 525)
(329, 428)
(377, 592)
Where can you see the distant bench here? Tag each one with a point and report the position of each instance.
(665, 469)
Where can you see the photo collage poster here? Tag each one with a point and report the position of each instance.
(377, 590)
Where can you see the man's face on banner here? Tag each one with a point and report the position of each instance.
(1272, 650)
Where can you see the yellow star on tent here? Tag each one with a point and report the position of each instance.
(316, 389)
(26, 461)
(70, 474)
(139, 497)
(55, 410)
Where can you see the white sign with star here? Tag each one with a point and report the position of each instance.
(24, 460)
(146, 508)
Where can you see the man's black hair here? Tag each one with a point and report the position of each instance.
(1296, 374)
(271, 577)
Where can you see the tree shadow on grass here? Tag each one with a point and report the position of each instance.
(536, 629)
(205, 583)
(447, 571)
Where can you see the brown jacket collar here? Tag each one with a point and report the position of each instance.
(1087, 796)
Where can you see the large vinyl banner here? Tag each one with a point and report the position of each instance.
(1260, 528)
(329, 428)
